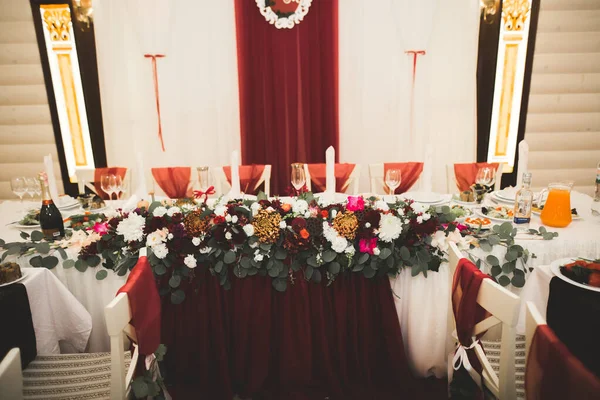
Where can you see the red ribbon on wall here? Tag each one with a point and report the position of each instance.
(415, 54)
(153, 57)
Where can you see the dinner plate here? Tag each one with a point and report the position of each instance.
(424, 197)
(508, 194)
(502, 199)
(26, 226)
(555, 268)
(23, 276)
(481, 214)
(476, 226)
(463, 203)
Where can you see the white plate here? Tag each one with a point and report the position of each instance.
(23, 276)
(481, 214)
(573, 217)
(502, 199)
(507, 194)
(26, 226)
(555, 268)
(424, 197)
(463, 203)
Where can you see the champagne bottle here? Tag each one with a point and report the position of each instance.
(596, 201)
(51, 220)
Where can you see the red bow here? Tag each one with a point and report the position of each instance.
(200, 193)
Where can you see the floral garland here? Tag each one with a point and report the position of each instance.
(283, 21)
(306, 236)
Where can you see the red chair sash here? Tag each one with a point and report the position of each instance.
(318, 175)
(553, 372)
(411, 171)
(467, 313)
(250, 176)
(175, 181)
(466, 174)
(119, 171)
(144, 302)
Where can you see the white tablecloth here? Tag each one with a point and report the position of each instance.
(56, 314)
(537, 291)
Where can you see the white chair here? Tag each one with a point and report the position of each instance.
(504, 308)
(533, 318)
(222, 185)
(353, 180)
(452, 185)
(11, 378)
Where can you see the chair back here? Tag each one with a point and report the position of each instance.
(533, 318)
(352, 183)
(223, 184)
(377, 176)
(11, 377)
(452, 183)
(504, 309)
(174, 182)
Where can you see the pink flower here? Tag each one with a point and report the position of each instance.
(367, 245)
(461, 227)
(355, 203)
(101, 228)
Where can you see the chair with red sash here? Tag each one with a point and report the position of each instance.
(552, 371)
(463, 175)
(252, 177)
(174, 182)
(477, 303)
(91, 178)
(347, 178)
(410, 174)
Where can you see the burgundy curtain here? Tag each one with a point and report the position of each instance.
(288, 82)
(313, 341)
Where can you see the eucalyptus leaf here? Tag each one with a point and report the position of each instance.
(385, 253)
(245, 262)
(280, 285)
(362, 258)
(496, 270)
(2, 242)
(316, 276)
(280, 253)
(312, 261)
(504, 280)
(494, 239)
(219, 267)
(511, 255)
(273, 272)
(160, 269)
(334, 268)
(175, 281)
(404, 253)
(485, 246)
(178, 296)
(93, 260)
(329, 255)
(24, 235)
(492, 260)
(36, 236)
(102, 274)
(140, 388)
(508, 267)
(36, 261)
(68, 264)
(62, 253)
(49, 262)
(229, 257)
(308, 272)
(81, 265)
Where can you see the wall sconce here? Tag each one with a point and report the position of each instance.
(83, 11)
(489, 8)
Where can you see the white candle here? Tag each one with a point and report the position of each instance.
(427, 184)
(523, 161)
(49, 167)
(330, 170)
(235, 174)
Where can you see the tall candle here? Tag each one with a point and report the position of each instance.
(49, 167)
(427, 184)
(235, 174)
(330, 170)
(523, 161)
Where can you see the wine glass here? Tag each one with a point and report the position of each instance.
(203, 178)
(393, 178)
(108, 184)
(298, 177)
(118, 186)
(18, 186)
(484, 176)
(33, 186)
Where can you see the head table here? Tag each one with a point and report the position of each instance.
(309, 334)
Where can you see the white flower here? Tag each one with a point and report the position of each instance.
(367, 225)
(381, 205)
(307, 214)
(160, 251)
(111, 213)
(159, 211)
(255, 207)
(254, 245)
(132, 227)
(426, 216)
(350, 250)
(376, 251)
(270, 209)
(282, 225)
(390, 227)
(190, 261)
(333, 213)
(157, 237)
(300, 207)
(258, 257)
(196, 241)
(418, 207)
(234, 219)
(188, 207)
(339, 244)
(205, 250)
(170, 236)
(228, 218)
(173, 210)
(400, 211)
(249, 229)
(220, 211)
(420, 219)
(228, 235)
(438, 239)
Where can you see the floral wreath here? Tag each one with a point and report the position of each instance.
(280, 20)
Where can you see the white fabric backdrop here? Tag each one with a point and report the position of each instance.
(375, 82)
(198, 81)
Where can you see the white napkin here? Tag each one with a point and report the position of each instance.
(426, 180)
(235, 175)
(130, 204)
(49, 167)
(330, 170)
(522, 167)
(141, 192)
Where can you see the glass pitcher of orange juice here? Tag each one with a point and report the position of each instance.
(557, 210)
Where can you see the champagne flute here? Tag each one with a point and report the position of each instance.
(18, 186)
(393, 178)
(298, 177)
(118, 186)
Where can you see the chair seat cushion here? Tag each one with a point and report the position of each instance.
(69, 376)
(492, 352)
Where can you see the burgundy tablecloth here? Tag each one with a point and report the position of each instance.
(310, 342)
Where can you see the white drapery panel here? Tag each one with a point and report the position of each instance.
(376, 77)
(198, 81)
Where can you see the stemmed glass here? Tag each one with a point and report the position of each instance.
(33, 186)
(118, 188)
(484, 176)
(18, 186)
(108, 183)
(298, 176)
(393, 178)
(203, 178)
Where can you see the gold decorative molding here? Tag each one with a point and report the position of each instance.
(57, 18)
(506, 98)
(514, 14)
